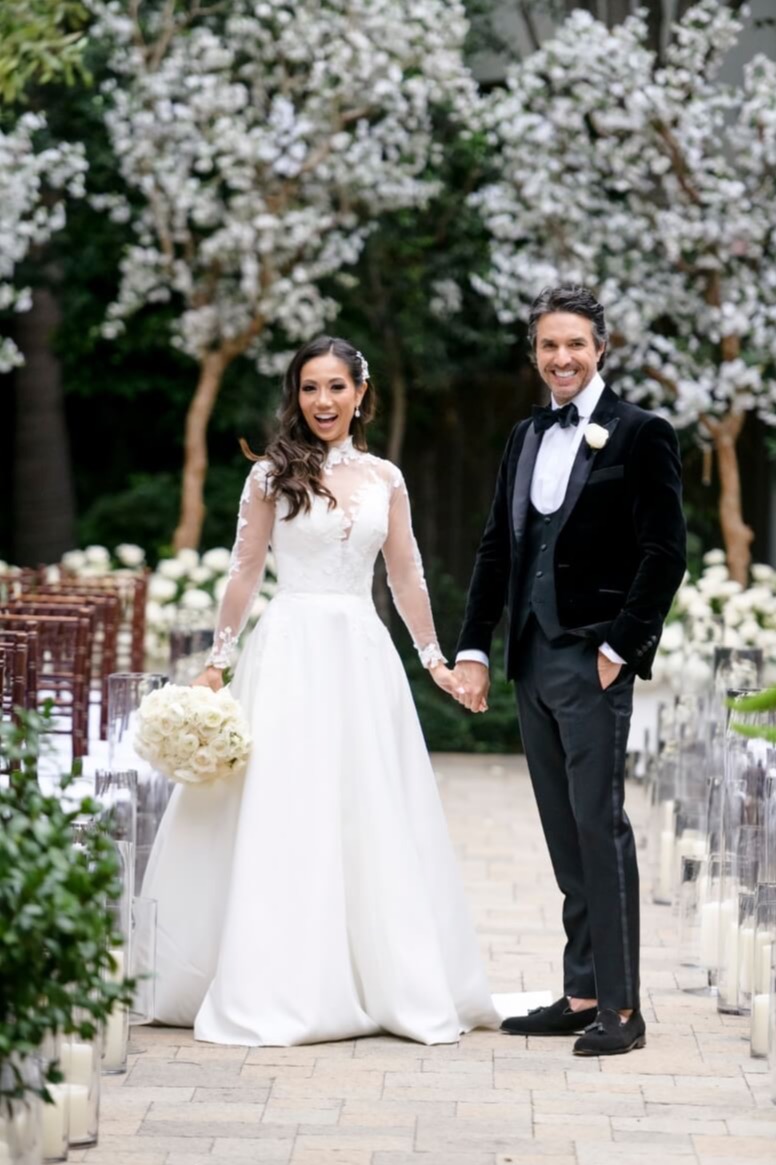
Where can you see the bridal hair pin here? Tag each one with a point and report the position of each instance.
(364, 366)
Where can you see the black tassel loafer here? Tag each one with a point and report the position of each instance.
(556, 1020)
(610, 1035)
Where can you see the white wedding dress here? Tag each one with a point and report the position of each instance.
(318, 898)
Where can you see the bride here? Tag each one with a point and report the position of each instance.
(318, 897)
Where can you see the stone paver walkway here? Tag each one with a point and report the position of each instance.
(691, 1097)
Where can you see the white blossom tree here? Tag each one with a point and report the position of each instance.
(34, 180)
(258, 143)
(655, 185)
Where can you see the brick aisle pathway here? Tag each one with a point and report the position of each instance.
(692, 1097)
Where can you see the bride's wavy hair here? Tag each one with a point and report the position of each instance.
(296, 455)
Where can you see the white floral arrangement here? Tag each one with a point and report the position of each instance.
(716, 611)
(184, 591)
(192, 735)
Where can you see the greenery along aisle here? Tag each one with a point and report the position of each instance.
(56, 925)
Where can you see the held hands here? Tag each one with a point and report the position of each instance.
(467, 682)
(211, 677)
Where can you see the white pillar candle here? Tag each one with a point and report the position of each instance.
(763, 960)
(709, 936)
(667, 821)
(76, 1062)
(665, 882)
(760, 1017)
(746, 958)
(55, 1122)
(729, 964)
(114, 1054)
(117, 954)
(78, 1100)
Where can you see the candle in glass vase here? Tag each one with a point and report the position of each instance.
(76, 1062)
(114, 1053)
(760, 1017)
(55, 1123)
(667, 823)
(666, 864)
(709, 935)
(763, 958)
(746, 958)
(729, 956)
(78, 1101)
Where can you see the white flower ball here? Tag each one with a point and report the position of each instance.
(217, 559)
(97, 556)
(200, 574)
(161, 589)
(188, 557)
(53, 574)
(673, 637)
(153, 611)
(196, 600)
(763, 573)
(130, 555)
(714, 558)
(172, 568)
(74, 560)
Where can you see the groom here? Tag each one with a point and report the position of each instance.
(585, 546)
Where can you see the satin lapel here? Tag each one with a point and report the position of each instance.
(582, 467)
(521, 493)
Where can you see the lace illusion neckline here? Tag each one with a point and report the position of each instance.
(340, 454)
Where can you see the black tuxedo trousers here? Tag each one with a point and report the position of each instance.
(575, 736)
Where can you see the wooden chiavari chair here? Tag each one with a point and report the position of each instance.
(21, 651)
(63, 669)
(104, 611)
(132, 592)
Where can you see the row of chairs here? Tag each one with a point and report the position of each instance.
(61, 640)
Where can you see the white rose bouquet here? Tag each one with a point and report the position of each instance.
(192, 735)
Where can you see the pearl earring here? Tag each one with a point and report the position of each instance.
(358, 411)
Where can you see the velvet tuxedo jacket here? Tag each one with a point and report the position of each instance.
(620, 552)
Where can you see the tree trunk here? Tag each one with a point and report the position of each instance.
(736, 535)
(44, 501)
(398, 423)
(195, 461)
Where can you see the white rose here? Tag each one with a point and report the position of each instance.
(196, 600)
(750, 631)
(713, 574)
(74, 560)
(97, 556)
(714, 558)
(53, 574)
(596, 436)
(172, 568)
(204, 760)
(186, 744)
(161, 589)
(673, 637)
(200, 574)
(188, 557)
(217, 559)
(763, 573)
(130, 555)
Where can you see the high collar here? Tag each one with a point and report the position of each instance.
(339, 453)
(588, 398)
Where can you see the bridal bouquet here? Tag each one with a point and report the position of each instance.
(192, 735)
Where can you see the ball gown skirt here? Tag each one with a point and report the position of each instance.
(318, 897)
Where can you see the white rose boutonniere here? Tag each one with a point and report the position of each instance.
(596, 436)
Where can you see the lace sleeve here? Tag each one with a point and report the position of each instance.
(405, 575)
(246, 569)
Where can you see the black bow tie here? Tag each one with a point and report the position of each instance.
(544, 416)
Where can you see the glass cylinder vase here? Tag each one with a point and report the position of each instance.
(763, 958)
(80, 1065)
(126, 691)
(56, 1114)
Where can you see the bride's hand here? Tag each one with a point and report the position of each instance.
(211, 677)
(442, 676)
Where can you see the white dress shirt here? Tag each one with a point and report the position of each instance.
(551, 474)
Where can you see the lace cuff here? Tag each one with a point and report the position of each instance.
(223, 650)
(431, 655)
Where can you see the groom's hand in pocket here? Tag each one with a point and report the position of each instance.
(608, 670)
(472, 684)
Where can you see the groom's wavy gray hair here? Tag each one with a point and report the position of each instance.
(574, 298)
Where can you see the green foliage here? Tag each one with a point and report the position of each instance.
(40, 41)
(55, 922)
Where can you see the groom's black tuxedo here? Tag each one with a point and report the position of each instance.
(602, 568)
(620, 549)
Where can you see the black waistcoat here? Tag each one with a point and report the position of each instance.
(537, 583)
